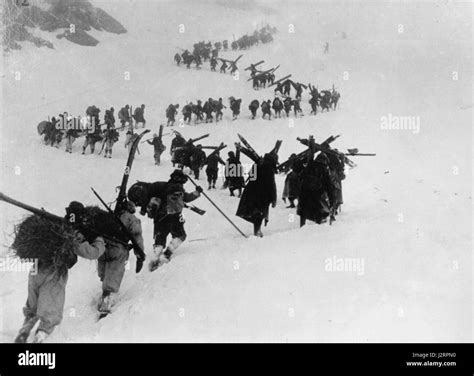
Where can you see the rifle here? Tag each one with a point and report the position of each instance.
(55, 218)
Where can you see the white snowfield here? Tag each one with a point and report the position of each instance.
(396, 266)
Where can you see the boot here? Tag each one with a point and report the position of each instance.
(107, 301)
(40, 336)
(21, 337)
(155, 261)
(166, 256)
(257, 229)
(168, 253)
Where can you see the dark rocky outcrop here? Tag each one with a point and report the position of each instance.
(73, 19)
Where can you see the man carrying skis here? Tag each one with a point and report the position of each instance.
(234, 173)
(253, 107)
(223, 66)
(124, 116)
(177, 142)
(171, 112)
(158, 146)
(139, 117)
(259, 193)
(111, 266)
(266, 109)
(166, 212)
(212, 162)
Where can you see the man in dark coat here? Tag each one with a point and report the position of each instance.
(337, 175)
(292, 182)
(166, 210)
(197, 158)
(235, 107)
(109, 118)
(286, 87)
(208, 109)
(287, 104)
(277, 106)
(187, 112)
(213, 63)
(171, 112)
(317, 194)
(212, 162)
(197, 110)
(266, 109)
(253, 107)
(218, 106)
(234, 173)
(259, 193)
(139, 116)
(124, 116)
(158, 146)
(177, 142)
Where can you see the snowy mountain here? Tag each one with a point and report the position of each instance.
(406, 222)
(22, 19)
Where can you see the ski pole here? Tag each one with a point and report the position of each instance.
(220, 211)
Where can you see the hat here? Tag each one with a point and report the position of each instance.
(322, 157)
(137, 194)
(178, 175)
(74, 211)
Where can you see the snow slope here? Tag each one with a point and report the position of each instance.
(407, 214)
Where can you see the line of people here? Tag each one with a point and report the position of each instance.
(203, 51)
(212, 109)
(184, 153)
(69, 128)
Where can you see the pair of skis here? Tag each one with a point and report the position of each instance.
(250, 152)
